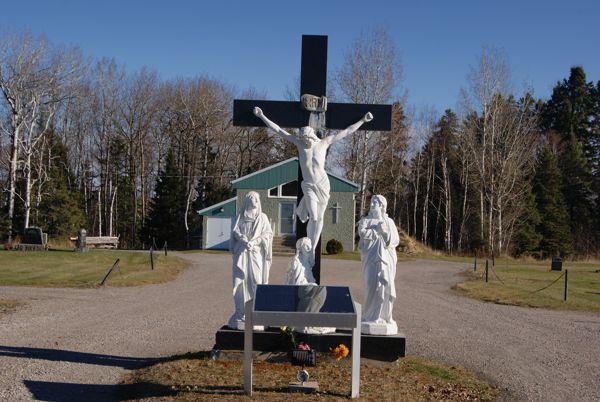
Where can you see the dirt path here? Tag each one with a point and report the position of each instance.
(67, 343)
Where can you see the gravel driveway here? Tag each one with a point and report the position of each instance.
(74, 344)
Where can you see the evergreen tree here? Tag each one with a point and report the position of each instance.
(578, 195)
(572, 110)
(527, 239)
(165, 220)
(60, 212)
(554, 225)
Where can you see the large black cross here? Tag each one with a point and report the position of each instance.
(313, 81)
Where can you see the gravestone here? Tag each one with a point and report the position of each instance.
(81, 242)
(33, 239)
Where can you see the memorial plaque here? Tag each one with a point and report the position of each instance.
(289, 298)
(303, 306)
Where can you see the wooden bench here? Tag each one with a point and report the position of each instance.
(100, 241)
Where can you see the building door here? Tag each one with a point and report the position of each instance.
(218, 232)
(287, 218)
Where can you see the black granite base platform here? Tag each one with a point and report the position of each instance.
(386, 348)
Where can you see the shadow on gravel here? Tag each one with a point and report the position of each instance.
(59, 355)
(68, 392)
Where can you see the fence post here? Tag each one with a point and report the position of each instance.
(152, 258)
(486, 270)
(165, 247)
(475, 265)
(493, 260)
(566, 284)
(109, 271)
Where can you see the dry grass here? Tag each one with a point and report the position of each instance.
(516, 282)
(7, 307)
(60, 268)
(195, 377)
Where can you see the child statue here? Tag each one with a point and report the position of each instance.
(300, 269)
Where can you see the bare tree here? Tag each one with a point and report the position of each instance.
(135, 116)
(498, 134)
(370, 74)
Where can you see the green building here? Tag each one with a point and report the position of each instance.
(277, 187)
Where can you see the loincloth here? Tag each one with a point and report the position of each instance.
(314, 191)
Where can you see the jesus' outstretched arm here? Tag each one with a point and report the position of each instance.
(349, 130)
(281, 132)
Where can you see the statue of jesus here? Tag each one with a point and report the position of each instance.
(315, 184)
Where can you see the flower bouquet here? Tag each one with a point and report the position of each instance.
(303, 355)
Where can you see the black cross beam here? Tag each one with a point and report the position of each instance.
(313, 81)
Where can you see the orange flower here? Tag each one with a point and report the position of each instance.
(340, 352)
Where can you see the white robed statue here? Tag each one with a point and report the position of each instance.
(251, 241)
(311, 296)
(300, 268)
(377, 245)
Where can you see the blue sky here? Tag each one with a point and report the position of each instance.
(257, 43)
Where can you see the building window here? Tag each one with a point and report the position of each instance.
(287, 190)
(335, 213)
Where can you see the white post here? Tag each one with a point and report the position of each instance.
(248, 348)
(356, 353)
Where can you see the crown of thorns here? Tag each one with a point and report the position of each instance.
(307, 132)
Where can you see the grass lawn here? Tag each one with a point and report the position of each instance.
(195, 377)
(61, 268)
(344, 255)
(515, 282)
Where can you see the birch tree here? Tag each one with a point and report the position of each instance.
(34, 78)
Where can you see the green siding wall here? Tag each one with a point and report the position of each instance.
(343, 231)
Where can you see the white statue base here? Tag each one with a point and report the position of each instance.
(240, 325)
(318, 330)
(376, 328)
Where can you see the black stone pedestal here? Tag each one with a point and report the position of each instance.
(378, 347)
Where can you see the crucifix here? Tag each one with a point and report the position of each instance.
(313, 115)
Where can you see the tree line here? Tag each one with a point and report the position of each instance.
(85, 144)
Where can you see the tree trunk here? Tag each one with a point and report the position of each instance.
(100, 211)
(12, 186)
(27, 200)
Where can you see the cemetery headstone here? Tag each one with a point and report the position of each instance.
(33, 239)
(81, 243)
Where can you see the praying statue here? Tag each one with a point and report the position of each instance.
(300, 269)
(251, 241)
(377, 245)
(312, 152)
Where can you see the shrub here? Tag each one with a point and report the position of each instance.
(334, 247)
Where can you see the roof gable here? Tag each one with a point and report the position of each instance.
(223, 208)
(285, 172)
